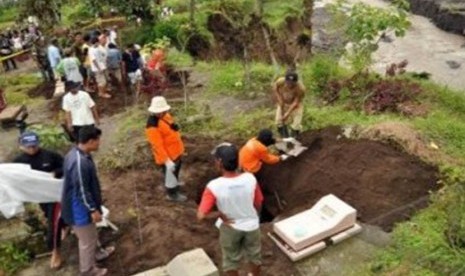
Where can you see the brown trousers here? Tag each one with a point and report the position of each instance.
(88, 241)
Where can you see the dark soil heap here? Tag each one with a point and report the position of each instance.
(374, 178)
(384, 184)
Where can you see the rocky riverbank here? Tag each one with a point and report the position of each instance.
(448, 15)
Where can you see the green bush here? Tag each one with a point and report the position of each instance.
(51, 137)
(12, 258)
(172, 28)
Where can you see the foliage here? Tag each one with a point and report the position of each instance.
(127, 7)
(364, 26)
(76, 13)
(228, 78)
(276, 12)
(16, 88)
(8, 14)
(373, 94)
(178, 59)
(321, 70)
(12, 258)
(47, 11)
(51, 137)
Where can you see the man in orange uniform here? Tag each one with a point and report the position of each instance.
(167, 146)
(255, 152)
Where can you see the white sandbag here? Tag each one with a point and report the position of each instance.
(19, 183)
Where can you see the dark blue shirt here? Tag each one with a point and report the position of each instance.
(81, 191)
(131, 61)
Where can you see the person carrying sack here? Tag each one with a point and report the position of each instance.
(167, 147)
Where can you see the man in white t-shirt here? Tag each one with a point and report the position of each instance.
(98, 64)
(69, 67)
(80, 109)
(238, 199)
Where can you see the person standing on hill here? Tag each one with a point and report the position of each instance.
(54, 55)
(289, 93)
(69, 67)
(114, 61)
(132, 67)
(50, 162)
(238, 199)
(82, 201)
(167, 147)
(255, 152)
(98, 63)
(80, 109)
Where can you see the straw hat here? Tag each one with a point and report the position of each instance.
(158, 105)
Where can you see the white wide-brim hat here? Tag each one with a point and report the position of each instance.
(158, 105)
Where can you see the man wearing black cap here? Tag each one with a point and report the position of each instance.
(238, 199)
(255, 152)
(80, 109)
(51, 162)
(289, 93)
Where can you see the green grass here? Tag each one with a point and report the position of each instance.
(8, 14)
(17, 86)
(276, 11)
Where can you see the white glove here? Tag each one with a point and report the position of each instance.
(284, 157)
(289, 140)
(170, 166)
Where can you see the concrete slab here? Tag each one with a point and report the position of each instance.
(159, 271)
(11, 112)
(346, 258)
(192, 263)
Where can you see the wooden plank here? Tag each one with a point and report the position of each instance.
(10, 113)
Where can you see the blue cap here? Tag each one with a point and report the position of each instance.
(29, 139)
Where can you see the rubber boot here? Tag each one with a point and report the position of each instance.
(283, 131)
(294, 133)
(174, 194)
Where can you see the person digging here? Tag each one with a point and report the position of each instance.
(238, 200)
(167, 147)
(255, 152)
(289, 93)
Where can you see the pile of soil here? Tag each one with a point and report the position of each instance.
(373, 177)
(384, 184)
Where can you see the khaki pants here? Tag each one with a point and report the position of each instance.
(234, 243)
(88, 240)
(295, 118)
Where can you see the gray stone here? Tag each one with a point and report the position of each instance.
(192, 263)
(453, 64)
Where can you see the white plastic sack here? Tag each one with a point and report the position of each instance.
(19, 183)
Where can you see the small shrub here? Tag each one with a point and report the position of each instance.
(12, 258)
(51, 137)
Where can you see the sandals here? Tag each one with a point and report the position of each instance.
(104, 253)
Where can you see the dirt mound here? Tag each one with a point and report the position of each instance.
(384, 184)
(168, 229)
(407, 138)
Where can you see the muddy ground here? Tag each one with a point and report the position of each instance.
(373, 177)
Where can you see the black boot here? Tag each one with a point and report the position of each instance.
(283, 131)
(174, 194)
(294, 133)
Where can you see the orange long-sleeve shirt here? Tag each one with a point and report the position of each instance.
(165, 142)
(253, 154)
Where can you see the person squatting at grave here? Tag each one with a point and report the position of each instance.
(255, 152)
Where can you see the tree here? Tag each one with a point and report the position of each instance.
(365, 25)
(47, 11)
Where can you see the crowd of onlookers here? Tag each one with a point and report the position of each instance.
(15, 40)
